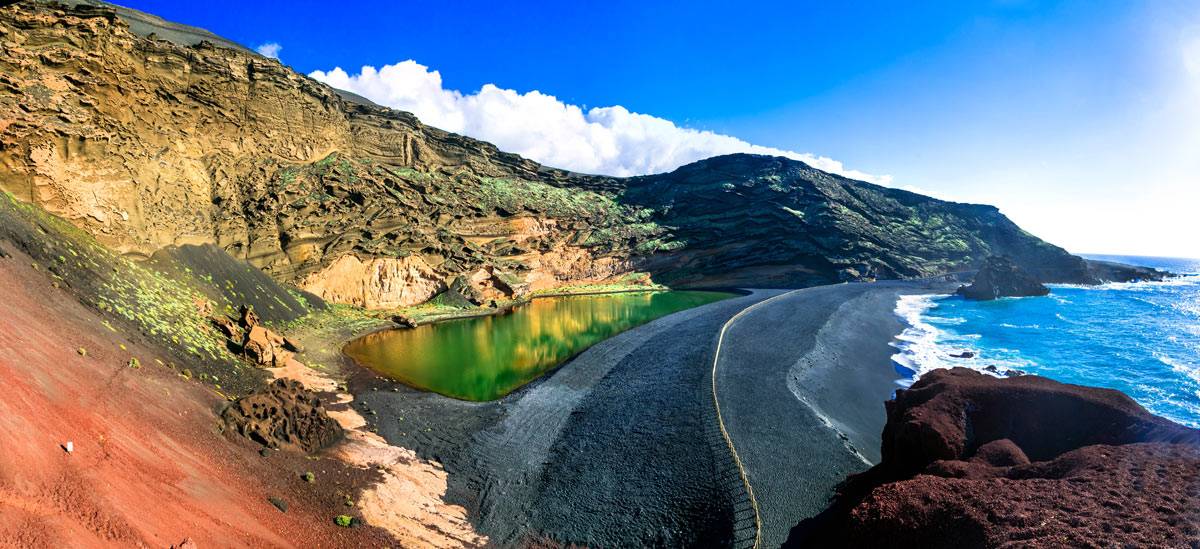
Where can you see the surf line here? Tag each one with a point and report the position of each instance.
(721, 422)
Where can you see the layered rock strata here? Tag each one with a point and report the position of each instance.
(148, 143)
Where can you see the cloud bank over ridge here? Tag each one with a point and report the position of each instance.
(601, 140)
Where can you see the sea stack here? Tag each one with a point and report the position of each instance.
(1002, 277)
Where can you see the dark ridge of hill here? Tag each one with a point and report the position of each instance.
(783, 221)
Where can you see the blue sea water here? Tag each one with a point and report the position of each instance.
(1141, 338)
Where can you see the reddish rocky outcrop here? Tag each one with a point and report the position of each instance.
(266, 347)
(283, 415)
(970, 460)
(254, 340)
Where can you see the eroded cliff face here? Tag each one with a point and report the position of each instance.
(380, 283)
(145, 143)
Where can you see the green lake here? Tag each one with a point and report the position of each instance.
(486, 358)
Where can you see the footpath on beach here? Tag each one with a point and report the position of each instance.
(799, 381)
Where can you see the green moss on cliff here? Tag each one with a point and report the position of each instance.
(166, 310)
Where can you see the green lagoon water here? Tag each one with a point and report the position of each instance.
(486, 358)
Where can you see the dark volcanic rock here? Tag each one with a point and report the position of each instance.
(404, 321)
(1108, 271)
(970, 460)
(283, 414)
(279, 504)
(462, 294)
(1002, 277)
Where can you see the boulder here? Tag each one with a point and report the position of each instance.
(284, 415)
(203, 306)
(404, 321)
(265, 347)
(292, 345)
(509, 284)
(249, 317)
(1002, 277)
(1000, 453)
(227, 327)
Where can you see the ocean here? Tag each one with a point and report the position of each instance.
(1141, 338)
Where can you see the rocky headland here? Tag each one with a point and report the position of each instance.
(970, 460)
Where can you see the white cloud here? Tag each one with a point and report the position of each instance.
(270, 49)
(602, 140)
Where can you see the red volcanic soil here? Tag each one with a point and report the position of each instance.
(1134, 495)
(970, 460)
(149, 466)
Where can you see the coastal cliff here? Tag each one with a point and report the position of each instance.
(970, 460)
(147, 143)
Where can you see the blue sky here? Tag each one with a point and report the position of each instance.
(1080, 120)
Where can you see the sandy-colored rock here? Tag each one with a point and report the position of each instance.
(249, 317)
(377, 283)
(228, 328)
(266, 347)
(187, 543)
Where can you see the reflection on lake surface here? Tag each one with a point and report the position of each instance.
(486, 358)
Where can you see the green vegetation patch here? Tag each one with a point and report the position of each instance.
(137, 300)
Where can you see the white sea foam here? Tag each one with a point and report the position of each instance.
(918, 343)
(922, 347)
(1021, 326)
(1190, 370)
(1145, 285)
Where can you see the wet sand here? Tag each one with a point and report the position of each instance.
(802, 381)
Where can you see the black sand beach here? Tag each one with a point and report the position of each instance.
(802, 381)
(626, 433)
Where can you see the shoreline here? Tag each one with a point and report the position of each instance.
(1150, 323)
(563, 440)
(802, 382)
(362, 372)
(519, 302)
(521, 464)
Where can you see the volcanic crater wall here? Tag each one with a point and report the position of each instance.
(146, 143)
